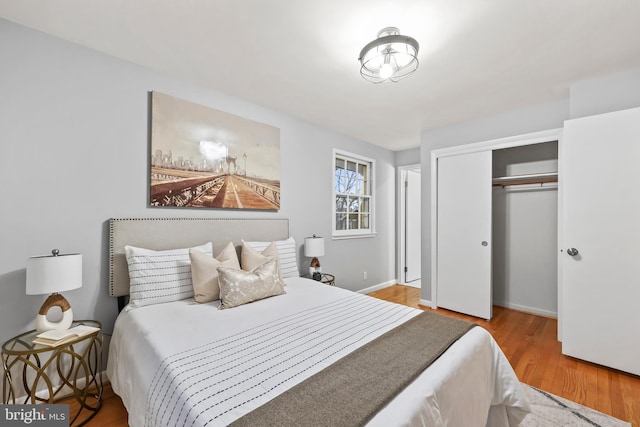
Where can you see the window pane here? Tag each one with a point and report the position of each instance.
(364, 205)
(341, 221)
(353, 221)
(349, 186)
(341, 204)
(364, 223)
(362, 171)
(339, 181)
(350, 179)
(351, 167)
(354, 204)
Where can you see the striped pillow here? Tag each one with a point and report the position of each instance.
(286, 255)
(160, 276)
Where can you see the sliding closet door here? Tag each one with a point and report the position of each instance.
(601, 249)
(464, 233)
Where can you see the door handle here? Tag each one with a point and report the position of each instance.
(572, 251)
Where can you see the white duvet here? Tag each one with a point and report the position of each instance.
(183, 363)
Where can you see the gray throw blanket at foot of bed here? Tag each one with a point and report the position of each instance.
(352, 390)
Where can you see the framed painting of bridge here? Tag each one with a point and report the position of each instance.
(201, 157)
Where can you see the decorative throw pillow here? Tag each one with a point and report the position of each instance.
(239, 287)
(251, 258)
(160, 276)
(205, 274)
(286, 255)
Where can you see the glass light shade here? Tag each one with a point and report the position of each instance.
(390, 57)
(386, 71)
(49, 274)
(314, 246)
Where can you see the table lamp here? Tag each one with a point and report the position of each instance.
(314, 247)
(52, 274)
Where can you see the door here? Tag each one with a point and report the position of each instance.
(464, 233)
(413, 256)
(601, 225)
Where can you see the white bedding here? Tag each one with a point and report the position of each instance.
(162, 357)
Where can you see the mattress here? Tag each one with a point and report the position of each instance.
(183, 363)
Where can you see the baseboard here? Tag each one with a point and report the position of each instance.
(527, 309)
(425, 302)
(378, 287)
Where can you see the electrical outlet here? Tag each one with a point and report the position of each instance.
(364, 275)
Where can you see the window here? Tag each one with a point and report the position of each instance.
(353, 191)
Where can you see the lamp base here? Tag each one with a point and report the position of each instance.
(54, 300)
(314, 267)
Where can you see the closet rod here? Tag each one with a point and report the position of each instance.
(534, 178)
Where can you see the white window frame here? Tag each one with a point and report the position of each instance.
(371, 165)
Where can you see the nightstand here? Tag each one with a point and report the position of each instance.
(51, 374)
(327, 279)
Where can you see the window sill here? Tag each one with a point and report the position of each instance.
(353, 236)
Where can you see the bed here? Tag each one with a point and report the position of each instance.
(277, 360)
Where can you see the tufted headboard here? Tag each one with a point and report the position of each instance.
(172, 233)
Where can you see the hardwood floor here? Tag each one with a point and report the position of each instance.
(529, 342)
(531, 345)
(111, 414)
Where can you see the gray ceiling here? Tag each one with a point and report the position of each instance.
(299, 57)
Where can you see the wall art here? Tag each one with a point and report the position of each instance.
(205, 158)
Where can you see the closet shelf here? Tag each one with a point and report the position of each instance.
(534, 178)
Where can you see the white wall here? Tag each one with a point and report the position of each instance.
(74, 153)
(605, 94)
(408, 157)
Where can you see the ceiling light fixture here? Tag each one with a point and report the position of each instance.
(390, 57)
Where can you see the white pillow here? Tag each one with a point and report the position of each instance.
(286, 255)
(251, 258)
(205, 274)
(160, 276)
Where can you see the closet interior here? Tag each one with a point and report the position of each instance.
(525, 228)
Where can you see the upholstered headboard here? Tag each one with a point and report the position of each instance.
(173, 233)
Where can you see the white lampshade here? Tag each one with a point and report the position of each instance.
(49, 274)
(313, 246)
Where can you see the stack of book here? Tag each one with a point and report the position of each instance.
(55, 338)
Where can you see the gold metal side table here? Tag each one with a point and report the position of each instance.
(35, 373)
(326, 278)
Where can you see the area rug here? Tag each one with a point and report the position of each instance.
(550, 410)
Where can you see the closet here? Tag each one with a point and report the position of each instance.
(525, 228)
(501, 252)
(494, 222)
